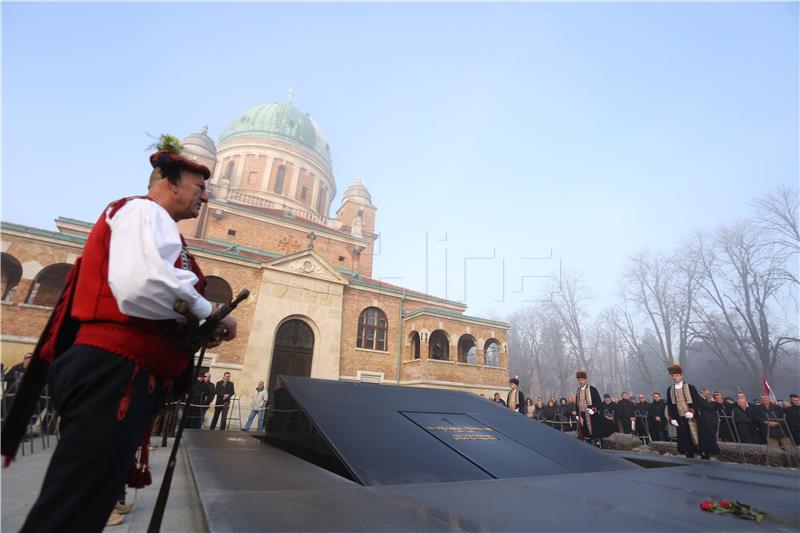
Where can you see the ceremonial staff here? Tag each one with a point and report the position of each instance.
(197, 336)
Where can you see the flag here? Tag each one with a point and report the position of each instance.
(768, 390)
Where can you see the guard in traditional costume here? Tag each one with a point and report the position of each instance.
(516, 400)
(125, 349)
(592, 424)
(692, 416)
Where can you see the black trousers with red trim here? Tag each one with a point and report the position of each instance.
(94, 454)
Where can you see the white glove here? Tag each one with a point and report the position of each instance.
(578, 418)
(633, 425)
(674, 423)
(689, 415)
(590, 411)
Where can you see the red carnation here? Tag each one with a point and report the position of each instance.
(705, 506)
(724, 503)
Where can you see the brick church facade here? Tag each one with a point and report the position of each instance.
(315, 309)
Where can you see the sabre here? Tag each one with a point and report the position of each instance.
(197, 335)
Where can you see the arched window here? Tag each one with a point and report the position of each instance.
(372, 329)
(439, 346)
(11, 272)
(49, 283)
(415, 343)
(218, 290)
(229, 170)
(279, 179)
(321, 198)
(492, 352)
(467, 352)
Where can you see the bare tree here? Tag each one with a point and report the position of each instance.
(612, 348)
(663, 290)
(568, 302)
(741, 277)
(778, 212)
(558, 361)
(526, 345)
(631, 333)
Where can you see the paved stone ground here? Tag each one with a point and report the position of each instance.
(21, 483)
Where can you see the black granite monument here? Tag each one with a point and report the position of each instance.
(343, 456)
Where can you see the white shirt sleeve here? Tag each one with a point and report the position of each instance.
(145, 244)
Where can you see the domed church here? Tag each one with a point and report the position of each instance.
(316, 309)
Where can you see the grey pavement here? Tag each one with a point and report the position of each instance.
(21, 483)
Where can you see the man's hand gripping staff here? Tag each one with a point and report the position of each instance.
(214, 329)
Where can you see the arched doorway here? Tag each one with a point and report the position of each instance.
(292, 351)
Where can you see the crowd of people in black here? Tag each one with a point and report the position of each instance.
(731, 419)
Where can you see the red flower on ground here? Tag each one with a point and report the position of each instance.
(724, 503)
(705, 506)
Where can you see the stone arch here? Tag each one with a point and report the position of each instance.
(467, 349)
(48, 284)
(414, 343)
(11, 271)
(439, 345)
(218, 290)
(293, 348)
(372, 329)
(280, 178)
(492, 350)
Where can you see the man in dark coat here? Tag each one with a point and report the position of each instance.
(225, 392)
(570, 411)
(792, 414)
(641, 412)
(625, 413)
(609, 408)
(724, 423)
(691, 415)
(592, 425)
(746, 425)
(774, 431)
(658, 418)
(14, 376)
(515, 400)
(497, 399)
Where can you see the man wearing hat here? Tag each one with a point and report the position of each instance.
(592, 424)
(688, 413)
(108, 384)
(516, 400)
(609, 407)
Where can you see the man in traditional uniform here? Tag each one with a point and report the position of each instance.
(516, 400)
(592, 425)
(692, 416)
(108, 384)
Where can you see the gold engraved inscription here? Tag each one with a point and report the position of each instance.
(462, 433)
(473, 437)
(459, 429)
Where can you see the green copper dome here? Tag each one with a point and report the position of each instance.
(280, 120)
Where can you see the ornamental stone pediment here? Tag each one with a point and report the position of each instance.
(307, 263)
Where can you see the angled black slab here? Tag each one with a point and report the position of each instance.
(247, 485)
(388, 435)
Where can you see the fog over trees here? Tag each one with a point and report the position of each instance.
(723, 304)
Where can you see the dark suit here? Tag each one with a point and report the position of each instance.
(223, 388)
